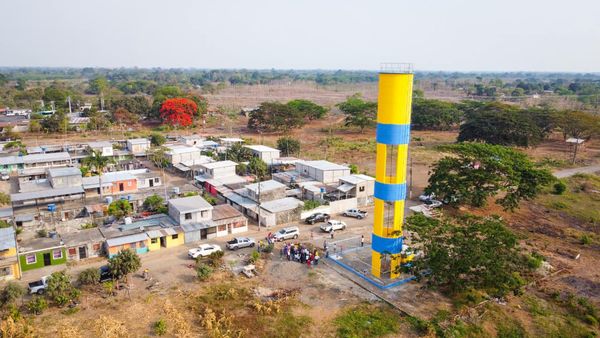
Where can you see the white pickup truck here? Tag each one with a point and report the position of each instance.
(355, 213)
(240, 242)
(39, 286)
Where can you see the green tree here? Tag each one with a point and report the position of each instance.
(499, 123)
(158, 156)
(55, 93)
(124, 263)
(99, 163)
(11, 292)
(37, 305)
(359, 113)
(353, 168)
(238, 153)
(60, 289)
(476, 171)
(99, 120)
(434, 115)
(308, 109)
(120, 208)
(579, 125)
(257, 167)
(98, 85)
(56, 123)
(21, 84)
(3, 79)
(155, 203)
(157, 139)
(138, 105)
(89, 276)
(469, 252)
(160, 95)
(275, 117)
(288, 146)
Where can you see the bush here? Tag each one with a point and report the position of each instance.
(534, 262)
(254, 257)
(268, 248)
(4, 224)
(366, 322)
(90, 276)
(215, 259)
(160, 327)
(586, 239)
(309, 205)
(37, 305)
(559, 188)
(88, 226)
(42, 233)
(120, 208)
(353, 169)
(60, 289)
(157, 139)
(154, 203)
(210, 199)
(11, 292)
(203, 271)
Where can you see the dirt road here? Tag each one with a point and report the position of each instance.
(573, 171)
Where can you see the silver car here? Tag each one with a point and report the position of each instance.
(286, 233)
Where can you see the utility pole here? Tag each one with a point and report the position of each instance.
(258, 176)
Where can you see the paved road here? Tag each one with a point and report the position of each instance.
(581, 170)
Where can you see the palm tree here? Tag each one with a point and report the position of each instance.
(99, 162)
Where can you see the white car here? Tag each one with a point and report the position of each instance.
(286, 233)
(203, 250)
(4, 177)
(333, 225)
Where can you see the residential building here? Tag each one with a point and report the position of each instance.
(191, 140)
(357, 185)
(266, 154)
(61, 185)
(322, 171)
(138, 146)
(187, 210)
(41, 252)
(118, 182)
(178, 153)
(165, 238)
(104, 147)
(40, 161)
(83, 244)
(138, 243)
(228, 220)
(9, 266)
(218, 177)
(264, 191)
(64, 177)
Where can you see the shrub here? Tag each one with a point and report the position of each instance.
(42, 233)
(586, 239)
(210, 199)
(366, 322)
(11, 292)
(534, 262)
(157, 139)
(559, 188)
(309, 205)
(269, 248)
(4, 224)
(203, 271)
(88, 226)
(215, 259)
(37, 305)
(60, 289)
(160, 327)
(353, 169)
(90, 276)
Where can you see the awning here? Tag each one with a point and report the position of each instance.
(24, 218)
(181, 167)
(345, 187)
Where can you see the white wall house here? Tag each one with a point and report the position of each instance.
(322, 171)
(193, 209)
(267, 154)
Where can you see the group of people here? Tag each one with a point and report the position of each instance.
(300, 253)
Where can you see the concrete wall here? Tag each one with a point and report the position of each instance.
(40, 259)
(222, 172)
(268, 195)
(340, 206)
(65, 181)
(197, 217)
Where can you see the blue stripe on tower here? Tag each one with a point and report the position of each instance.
(390, 192)
(386, 244)
(393, 134)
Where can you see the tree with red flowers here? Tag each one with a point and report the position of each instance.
(178, 111)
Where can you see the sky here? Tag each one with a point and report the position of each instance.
(447, 35)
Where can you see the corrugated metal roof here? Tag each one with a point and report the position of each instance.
(189, 204)
(197, 226)
(265, 186)
(261, 148)
(66, 171)
(323, 165)
(50, 157)
(219, 164)
(6, 213)
(26, 196)
(82, 237)
(138, 141)
(345, 187)
(356, 178)
(7, 238)
(126, 239)
(224, 211)
(282, 204)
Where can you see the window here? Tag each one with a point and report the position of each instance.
(6, 271)
(72, 251)
(96, 247)
(203, 213)
(222, 227)
(57, 254)
(153, 240)
(31, 259)
(188, 215)
(361, 189)
(156, 180)
(175, 236)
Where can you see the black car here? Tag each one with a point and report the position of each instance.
(318, 217)
(105, 274)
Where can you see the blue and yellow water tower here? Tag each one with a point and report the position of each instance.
(393, 135)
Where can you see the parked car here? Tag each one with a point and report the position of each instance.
(433, 203)
(4, 177)
(355, 213)
(318, 217)
(203, 250)
(286, 233)
(39, 286)
(425, 197)
(333, 225)
(240, 242)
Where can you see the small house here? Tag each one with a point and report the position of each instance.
(83, 244)
(357, 185)
(228, 220)
(104, 147)
(118, 182)
(165, 238)
(41, 252)
(9, 266)
(178, 153)
(266, 154)
(138, 146)
(138, 243)
(193, 209)
(192, 140)
(322, 171)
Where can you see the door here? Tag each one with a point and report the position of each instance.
(163, 242)
(47, 259)
(203, 233)
(121, 186)
(151, 182)
(82, 252)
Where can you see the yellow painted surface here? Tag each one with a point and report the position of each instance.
(175, 242)
(398, 218)
(395, 261)
(378, 218)
(11, 252)
(395, 98)
(380, 162)
(401, 163)
(376, 263)
(154, 246)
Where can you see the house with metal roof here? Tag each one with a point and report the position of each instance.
(322, 171)
(37, 253)
(9, 266)
(40, 161)
(138, 146)
(177, 153)
(104, 147)
(165, 237)
(218, 177)
(138, 243)
(83, 244)
(61, 185)
(266, 154)
(193, 209)
(357, 185)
